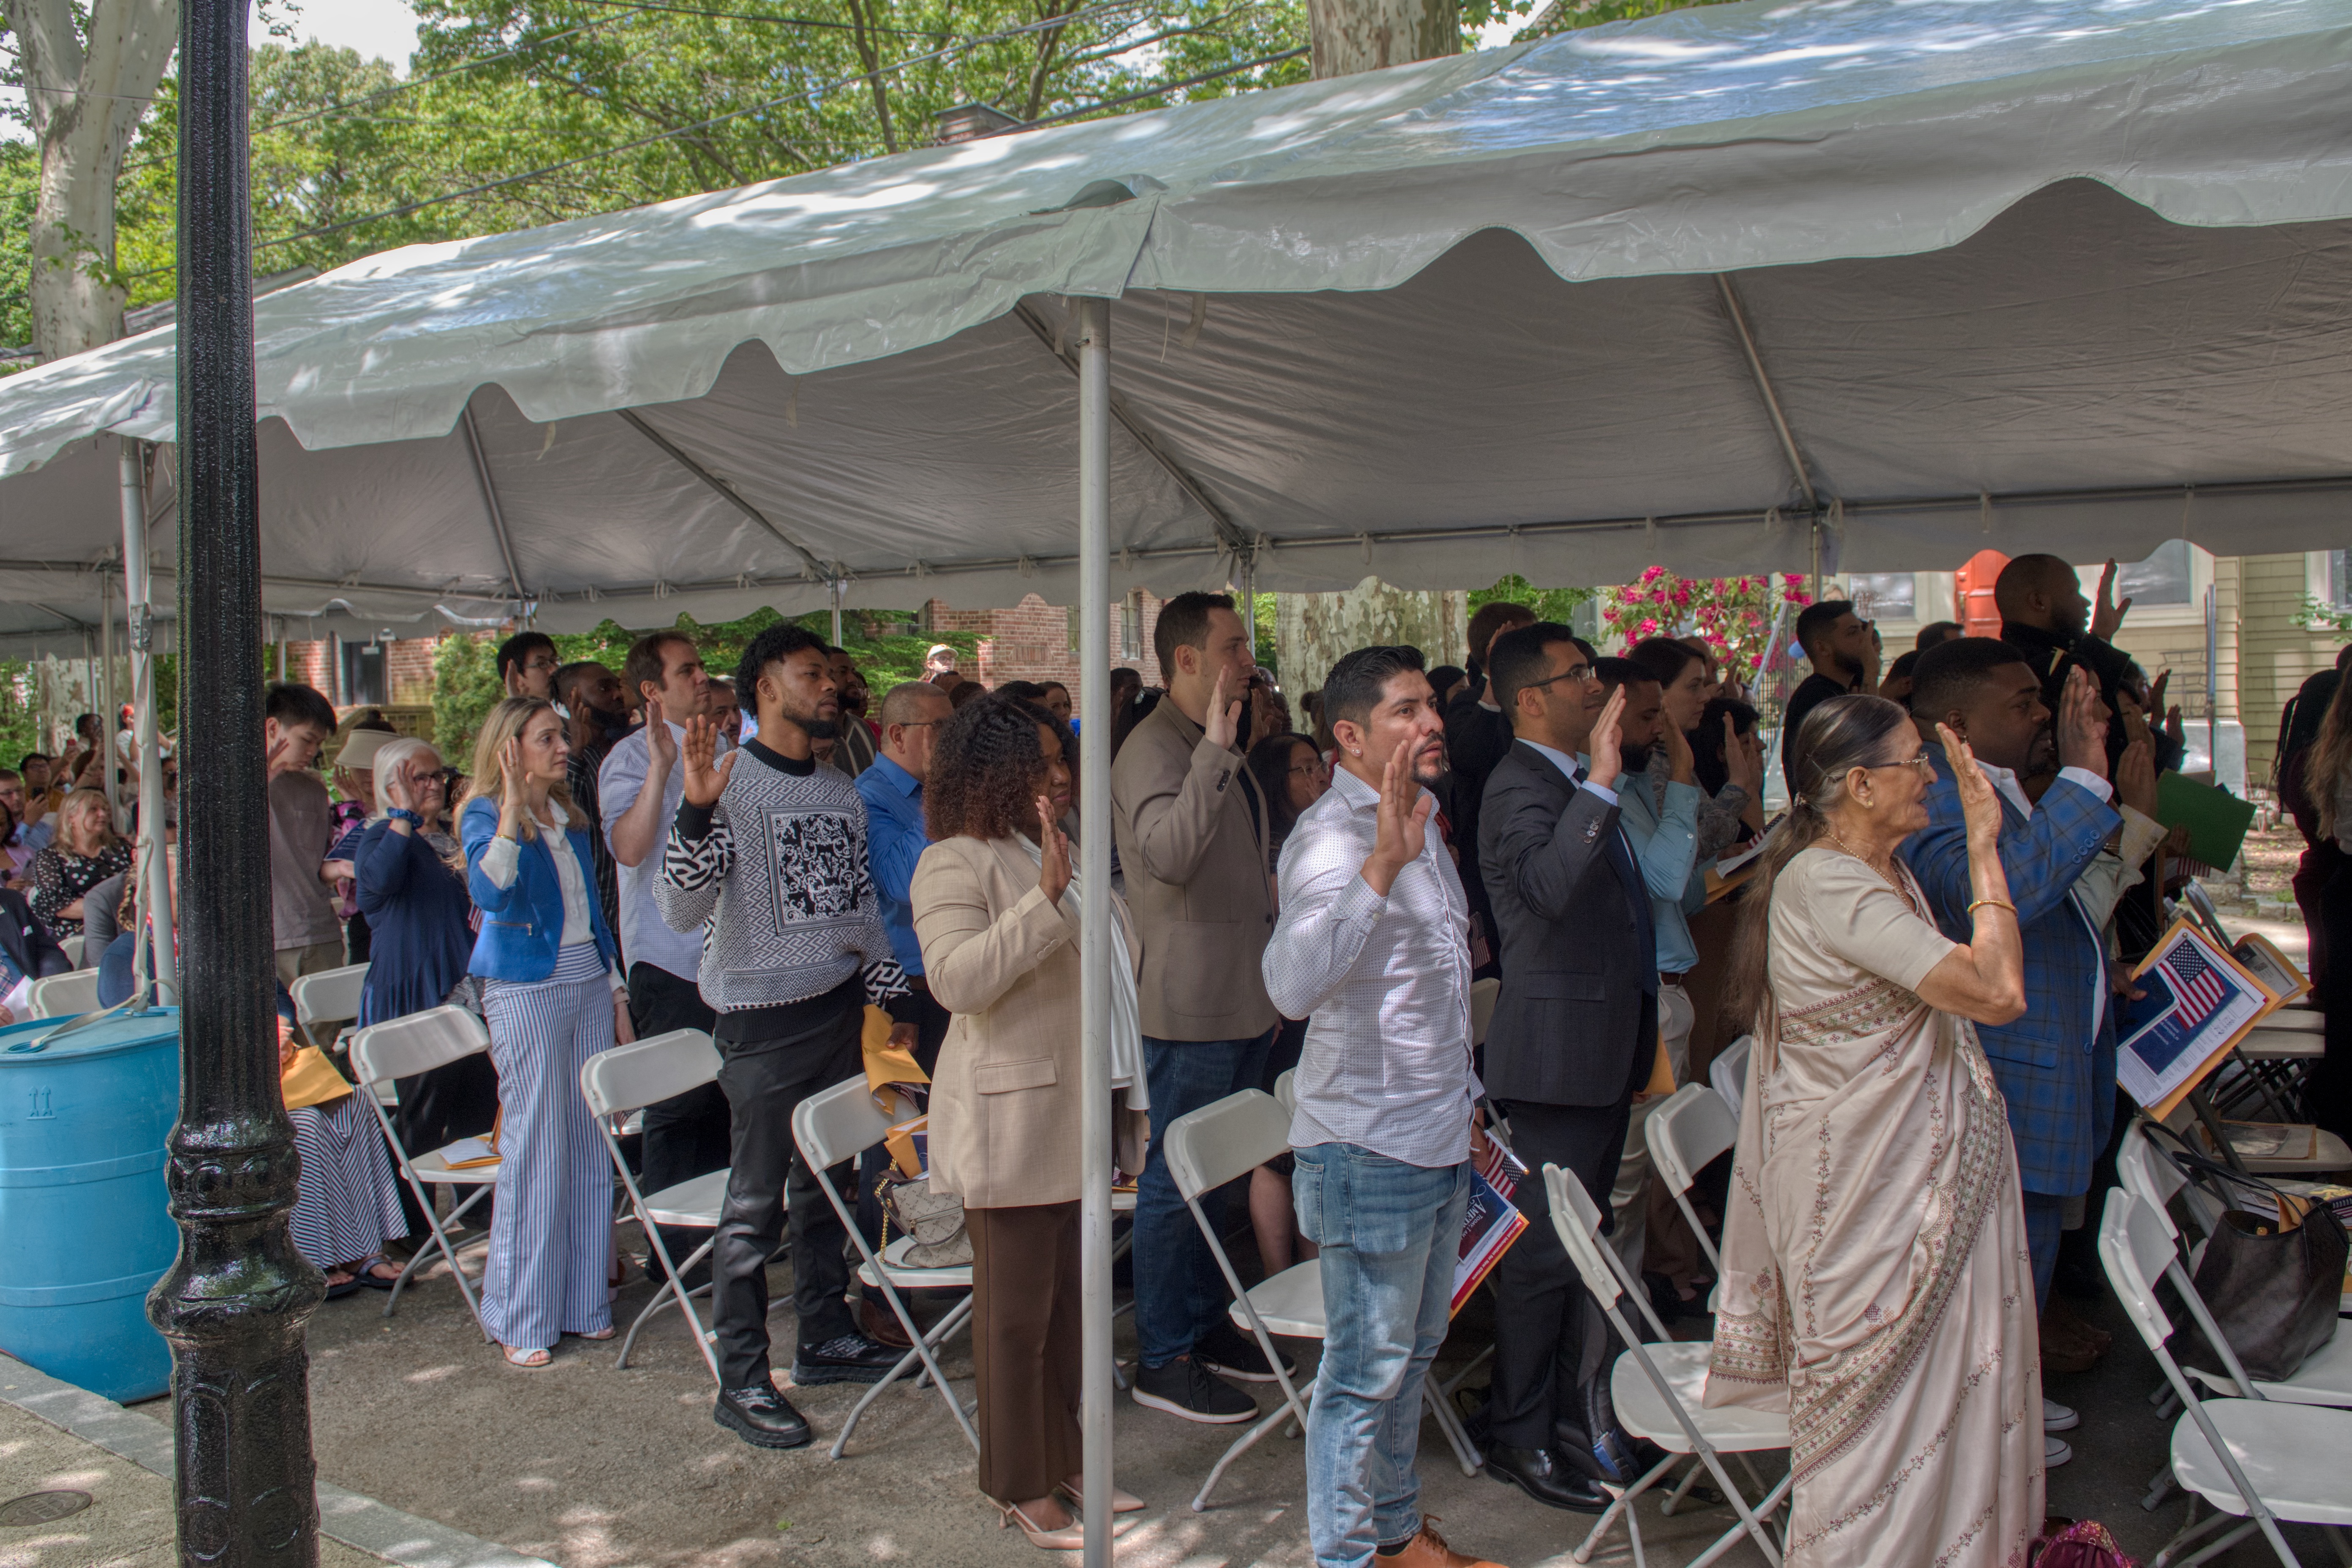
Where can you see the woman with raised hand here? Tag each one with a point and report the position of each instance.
(996, 905)
(1875, 1279)
(85, 852)
(554, 997)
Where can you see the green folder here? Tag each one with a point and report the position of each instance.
(2216, 819)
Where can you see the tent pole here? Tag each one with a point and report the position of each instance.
(108, 715)
(153, 889)
(1249, 601)
(1094, 932)
(833, 587)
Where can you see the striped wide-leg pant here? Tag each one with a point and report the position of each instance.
(345, 1201)
(551, 1237)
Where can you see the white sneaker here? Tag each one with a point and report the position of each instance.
(2055, 1452)
(2057, 1418)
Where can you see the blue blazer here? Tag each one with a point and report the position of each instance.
(2057, 1074)
(523, 924)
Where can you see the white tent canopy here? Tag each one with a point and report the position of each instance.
(2047, 274)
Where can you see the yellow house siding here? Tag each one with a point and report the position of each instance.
(2279, 654)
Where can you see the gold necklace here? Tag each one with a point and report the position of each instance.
(1900, 890)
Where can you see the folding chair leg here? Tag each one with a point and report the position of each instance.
(1623, 1503)
(1751, 1523)
(1682, 1488)
(1242, 1445)
(921, 1350)
(670, 1291)
(2211, 1549)
(1433, 1396)
(441, 1244)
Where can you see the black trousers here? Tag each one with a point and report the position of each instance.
(457, 1100)
(687, 1135)
(765, 1081)
(1550, 1340)
(2329, 1094)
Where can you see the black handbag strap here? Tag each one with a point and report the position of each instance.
(2204, 1168)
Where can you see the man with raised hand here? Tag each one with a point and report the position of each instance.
(1191, 829)
(2056, 1065)
(1373, 948)
(1573, 1038)
(767, 859)
(527, 663)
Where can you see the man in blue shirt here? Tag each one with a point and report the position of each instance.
(893, 792)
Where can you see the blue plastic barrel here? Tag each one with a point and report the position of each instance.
(84, 1232)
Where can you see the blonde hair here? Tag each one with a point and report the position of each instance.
(507, 722)
(2325, 774)
(87, 799)
(390, 758)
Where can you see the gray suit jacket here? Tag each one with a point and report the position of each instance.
(1566, 1028)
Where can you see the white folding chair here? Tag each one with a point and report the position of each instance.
(2258, 1460)
(1216, 1144)
(1482, 994)
(67, 995)
(1729, 1072)
(72, 946)
(1688, 1132)
(1659, 1389)
(2324, 1379)
(831, 1128)
(402, 1047)
(328, 997)
(628, 1078)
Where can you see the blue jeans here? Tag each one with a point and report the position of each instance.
(1390, 1234)
(1179, 1293)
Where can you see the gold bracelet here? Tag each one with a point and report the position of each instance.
(1996, 903)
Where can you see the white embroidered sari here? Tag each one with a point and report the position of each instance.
(1875, 1277)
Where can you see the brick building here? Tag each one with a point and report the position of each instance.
(1037, 641)
(396, 674)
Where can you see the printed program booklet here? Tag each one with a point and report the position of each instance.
(1491, 1222)
(2200, 999)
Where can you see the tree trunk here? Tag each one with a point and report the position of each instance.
(85, 96)
(1312, 630)
(1349, 36)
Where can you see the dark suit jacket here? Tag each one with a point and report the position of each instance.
(1578, 949)
(1476, 740)
(30, 944)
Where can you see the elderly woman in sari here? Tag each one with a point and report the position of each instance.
(1874, 1272)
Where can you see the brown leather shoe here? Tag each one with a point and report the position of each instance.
(2060, 1354)
(2076, 1327)
(877, 1322)
(1428, 1550)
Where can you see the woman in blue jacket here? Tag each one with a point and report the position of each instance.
(554, 997)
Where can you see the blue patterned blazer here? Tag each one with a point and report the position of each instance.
(2058, 1077)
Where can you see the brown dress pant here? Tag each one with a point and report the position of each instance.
(1026, 1347)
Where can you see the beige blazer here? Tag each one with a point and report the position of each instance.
(1004, 1101)
(1199, 879)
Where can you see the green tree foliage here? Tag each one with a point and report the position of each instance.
(1548, 603)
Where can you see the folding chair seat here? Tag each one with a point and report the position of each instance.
(1216, 1144)
(2261, 1461)
(402, 1047)
(2327, 1154)
(327, 999)
(1688, 1133)
(1658, 1391)
(834, 1127)
(67, 995)
(618, 1083)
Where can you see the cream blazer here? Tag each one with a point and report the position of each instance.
(1004, 1101)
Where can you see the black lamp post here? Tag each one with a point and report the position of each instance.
(234, 1303)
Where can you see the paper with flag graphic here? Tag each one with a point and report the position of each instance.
(1491, 1221)
(2198, 1001)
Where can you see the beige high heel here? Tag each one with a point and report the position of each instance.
(1120, 1501)
(1071, 1537)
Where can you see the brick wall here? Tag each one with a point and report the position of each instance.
(1032, 641)
(407, 668)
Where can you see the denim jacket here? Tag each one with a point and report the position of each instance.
(522, 924)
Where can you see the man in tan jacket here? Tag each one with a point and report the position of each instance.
(1192, 830)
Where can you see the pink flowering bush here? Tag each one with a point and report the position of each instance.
(1733, 614)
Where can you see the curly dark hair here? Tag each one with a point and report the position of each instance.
(985, 770)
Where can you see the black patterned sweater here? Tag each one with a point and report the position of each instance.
(775, 875)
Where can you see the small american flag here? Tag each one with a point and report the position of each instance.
(1501, 1168)
(2201, 992)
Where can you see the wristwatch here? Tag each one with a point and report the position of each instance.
(401, 813)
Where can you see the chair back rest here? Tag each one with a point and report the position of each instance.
(1285, 1089)
(2137, 1249)
(71, 946)
(1211, 1146)
(1483, 993)
(67, 995)
(630, 1078)
(2147, 1174)
(1729, 1072)
(1579, 1224)
(405, 1046)
(333, 995)
(839, 1123)
(1690, 1129)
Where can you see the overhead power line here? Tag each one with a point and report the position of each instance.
(1169, 87)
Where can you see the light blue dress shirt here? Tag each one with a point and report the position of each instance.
(894, 840)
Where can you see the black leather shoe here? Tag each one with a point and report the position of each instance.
(844, 1358)
(1535, 1472)
(761, 1417)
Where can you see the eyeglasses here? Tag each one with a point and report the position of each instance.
(1580, 674)
(1311, 769)
(1925, 761)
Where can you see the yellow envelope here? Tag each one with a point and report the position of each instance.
(311, 1080)
(886, 1064)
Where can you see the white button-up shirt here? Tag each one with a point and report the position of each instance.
(1384, 981)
